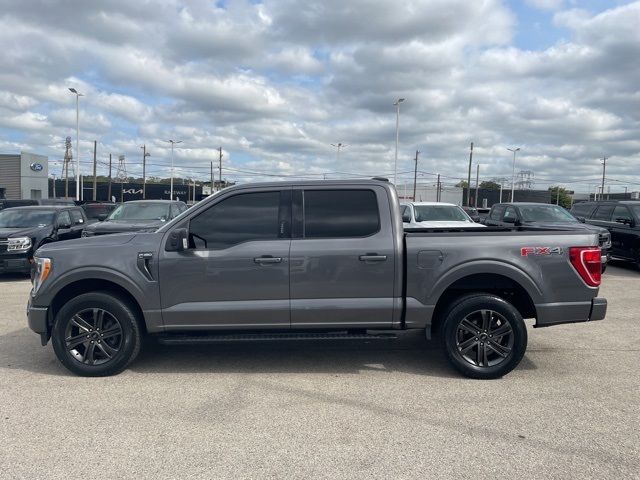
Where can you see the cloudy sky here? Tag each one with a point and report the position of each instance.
(275, 83)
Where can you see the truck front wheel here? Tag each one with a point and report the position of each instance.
(484, 336)
(96, 334)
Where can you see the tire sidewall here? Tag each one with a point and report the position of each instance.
(116, 307)
(463, 307)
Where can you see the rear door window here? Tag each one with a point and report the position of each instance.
(621, 213)
(496, 212)
(76, 217)
(340, 213)
(510, 213)
(603, 213)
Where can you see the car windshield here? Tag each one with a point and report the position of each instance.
(545, 213)
(12, 218)
(141, 211)
(440, 213)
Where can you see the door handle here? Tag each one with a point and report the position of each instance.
(266, 259)
(372, 257)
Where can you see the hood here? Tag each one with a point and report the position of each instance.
(22, 231)
(444, 224)
(116, 226)
(102, 241)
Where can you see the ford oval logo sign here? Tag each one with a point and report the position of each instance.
(36, 167)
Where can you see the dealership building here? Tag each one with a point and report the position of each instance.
(24, 176)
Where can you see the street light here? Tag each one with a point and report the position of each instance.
(513, 171)
(78, 95)
(172, 142)
(338, 146)
(395, 163)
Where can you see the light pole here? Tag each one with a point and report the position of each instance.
(78, 95)
(395, 163)
(513, 171)
(338, 147)
(172, 142)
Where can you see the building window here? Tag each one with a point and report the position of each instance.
(36, 194)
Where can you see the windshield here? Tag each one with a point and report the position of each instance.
(545, 213)
(440, 213)
(12, 218)
(141, 211)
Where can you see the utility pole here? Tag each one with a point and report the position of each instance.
(438, 189)
(220, 167)
(109, 194)
(415, 176)
(211, 177)
(395, 163)
(604, 169)
(144, 170)
(477, 177)
(558, 195)
(95, 181)
(469, 177)
(513, 171)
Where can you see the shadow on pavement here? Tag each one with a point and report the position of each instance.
(14, 277)
(411, 354)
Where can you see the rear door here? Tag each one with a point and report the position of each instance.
(342, 258)
(623, 236)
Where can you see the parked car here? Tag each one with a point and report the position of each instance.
(473, 213)
(136, 216)
(24, 229)
(96, 211)
(310, 261)
(4, 203)
(483, 212)
(545, 216)
(435, 215)
(621, 219)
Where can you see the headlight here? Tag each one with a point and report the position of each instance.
(43, 267)
(19, 244)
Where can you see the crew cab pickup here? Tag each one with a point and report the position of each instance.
(323, 260)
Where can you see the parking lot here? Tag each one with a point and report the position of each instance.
(356, 410)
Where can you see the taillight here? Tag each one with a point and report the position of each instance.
(588, 263)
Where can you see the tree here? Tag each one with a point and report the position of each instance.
(564, 199)
(462, 184)
(490, 185)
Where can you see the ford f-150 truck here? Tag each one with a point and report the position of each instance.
(310, 260)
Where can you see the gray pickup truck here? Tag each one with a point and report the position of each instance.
(310, 260)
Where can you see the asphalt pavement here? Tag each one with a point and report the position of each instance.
(337, 410)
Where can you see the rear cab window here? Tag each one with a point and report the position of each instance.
(340, 213)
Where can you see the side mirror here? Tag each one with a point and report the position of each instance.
(177, 240)
(406, 218)
(509, 220)
(102, 217)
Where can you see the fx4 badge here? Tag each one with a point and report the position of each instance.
(526, 251)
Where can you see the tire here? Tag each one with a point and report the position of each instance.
(96, 334)
(472, 348)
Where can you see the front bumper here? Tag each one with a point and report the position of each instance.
(38, 320)
(549, 314)
(18, 263)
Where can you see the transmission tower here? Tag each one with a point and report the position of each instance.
(121, 171)
(525, 180)
(68, 157)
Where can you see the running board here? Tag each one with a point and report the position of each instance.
(261, 337)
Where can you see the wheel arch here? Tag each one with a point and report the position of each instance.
(498, 284)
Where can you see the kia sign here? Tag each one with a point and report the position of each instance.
(36, 167)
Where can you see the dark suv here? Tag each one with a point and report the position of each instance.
(544, 216)
(621, 218)
(24, 229)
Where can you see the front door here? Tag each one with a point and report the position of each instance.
(236, 272)
(342, 258)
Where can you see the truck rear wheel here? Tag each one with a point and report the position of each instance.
(96, 334)
(484, 336)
